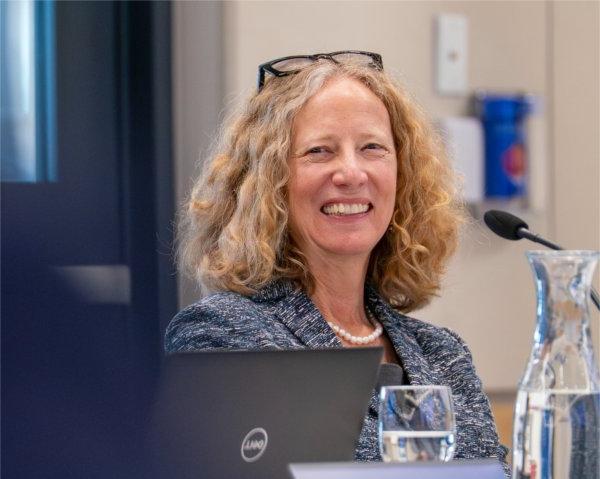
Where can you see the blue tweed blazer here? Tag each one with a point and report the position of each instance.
(283, 316)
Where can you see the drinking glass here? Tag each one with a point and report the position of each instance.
(416, 423)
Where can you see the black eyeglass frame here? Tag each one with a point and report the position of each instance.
(268, 66)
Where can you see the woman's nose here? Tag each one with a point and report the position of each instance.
(349, 171)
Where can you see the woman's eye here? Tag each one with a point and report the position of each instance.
(375, 150)
(373, 146)
(316, 150)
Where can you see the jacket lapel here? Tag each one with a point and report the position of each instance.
(408, 350)
(397, 327)
(300, 315)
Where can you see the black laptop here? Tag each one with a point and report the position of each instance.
(248, 414)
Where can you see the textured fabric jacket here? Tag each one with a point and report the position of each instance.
(282, 316)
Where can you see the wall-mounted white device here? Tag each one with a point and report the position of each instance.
(451, 54)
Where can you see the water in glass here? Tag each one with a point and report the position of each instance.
(416, 423)
(404, 446)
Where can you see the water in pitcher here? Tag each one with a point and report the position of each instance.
(557, 435)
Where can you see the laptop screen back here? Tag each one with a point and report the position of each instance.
(251, 413)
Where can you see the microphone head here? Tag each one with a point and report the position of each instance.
(504, 224)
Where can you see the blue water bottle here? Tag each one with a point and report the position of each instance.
(505, 144)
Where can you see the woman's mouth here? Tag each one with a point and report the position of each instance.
(345, 209)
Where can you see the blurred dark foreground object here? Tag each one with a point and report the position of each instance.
(78, 360)
(73, 405)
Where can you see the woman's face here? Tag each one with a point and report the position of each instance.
(343, 172)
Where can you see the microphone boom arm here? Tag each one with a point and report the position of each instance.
(525, 233)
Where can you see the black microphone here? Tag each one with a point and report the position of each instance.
(514, 228)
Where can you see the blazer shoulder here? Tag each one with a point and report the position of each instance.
(213, 322)
(435, 340)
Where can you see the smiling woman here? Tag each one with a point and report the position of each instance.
(342, 175)
(242, 242)
(327, 210)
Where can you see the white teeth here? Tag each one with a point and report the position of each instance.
(345, 209)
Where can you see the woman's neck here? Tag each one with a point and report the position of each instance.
(339, 291)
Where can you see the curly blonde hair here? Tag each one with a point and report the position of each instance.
(233, 232)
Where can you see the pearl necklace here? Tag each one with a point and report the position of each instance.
(359, 339)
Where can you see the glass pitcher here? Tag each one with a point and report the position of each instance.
(556, 432)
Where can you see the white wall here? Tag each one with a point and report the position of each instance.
(543, 48)
(198, 96)
(574, 69)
